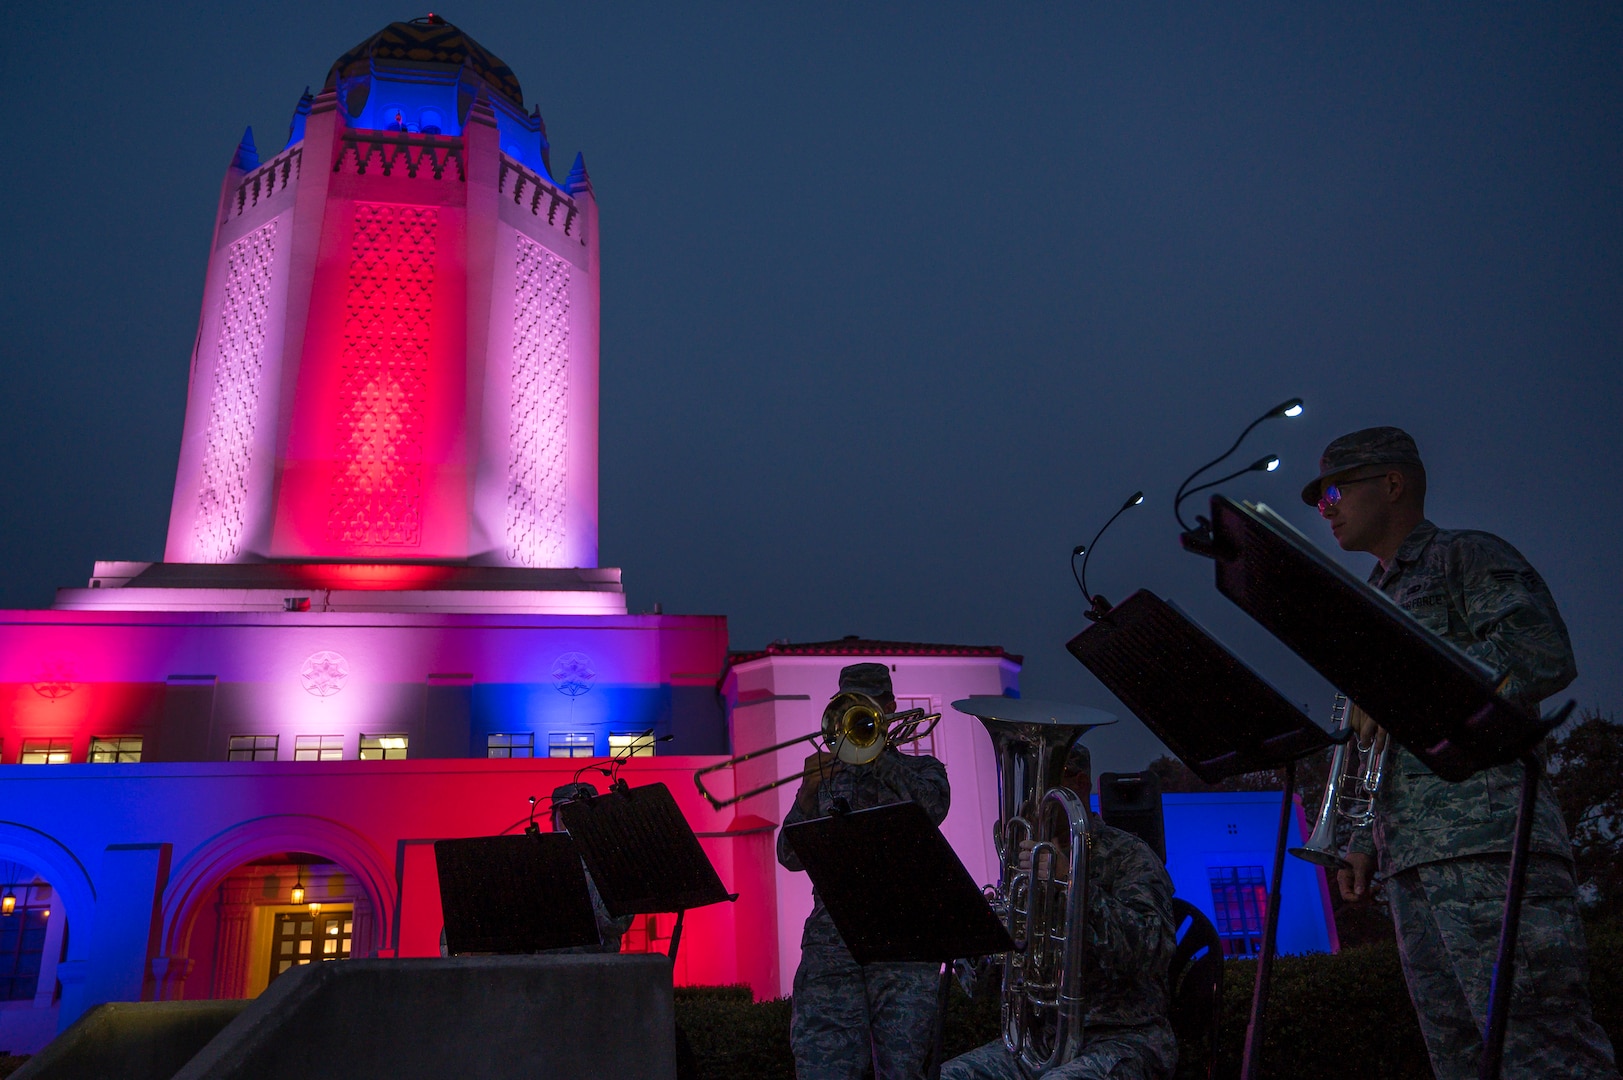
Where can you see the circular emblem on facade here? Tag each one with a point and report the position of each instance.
(57, 679)
(324, 673)
(572, 673)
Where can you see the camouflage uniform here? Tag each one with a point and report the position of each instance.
(1124, 977)
(847, 1014)
(1444, 848)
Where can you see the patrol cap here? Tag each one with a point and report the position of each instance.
(1371, 446)
(870, 679)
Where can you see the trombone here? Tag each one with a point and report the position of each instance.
(856, 728)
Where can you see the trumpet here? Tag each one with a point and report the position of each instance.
(855, 728)
(1356, 769)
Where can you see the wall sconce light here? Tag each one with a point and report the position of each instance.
(315, 907)
(8, 903)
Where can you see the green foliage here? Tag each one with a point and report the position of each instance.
(1585, 763)
(1346, 1016)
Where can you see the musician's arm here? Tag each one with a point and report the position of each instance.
(1512, 615)
(1130, 926)
(919, 779)
(786, 854)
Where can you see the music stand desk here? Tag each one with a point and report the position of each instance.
(513, 894)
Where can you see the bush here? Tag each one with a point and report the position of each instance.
(1346, 1016)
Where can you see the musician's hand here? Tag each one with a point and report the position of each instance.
(1361, 723)
(816, 767)
(1355, 882)
(1062, 868)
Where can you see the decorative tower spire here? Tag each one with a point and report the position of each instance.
(578, 180)
(301, 112)
(247, 156)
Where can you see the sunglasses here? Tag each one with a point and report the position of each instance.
(1332, 492)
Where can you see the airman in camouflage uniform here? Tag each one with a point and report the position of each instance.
(1444, 848)
(846, 1014)
(1130, 939)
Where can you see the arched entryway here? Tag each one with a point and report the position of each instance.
(47, 884)
(230, 904)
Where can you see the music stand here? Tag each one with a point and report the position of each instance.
(513, 894)
(1218, 716)
(894, 887)
(642, 854)
(897, 892)
(1435, 701)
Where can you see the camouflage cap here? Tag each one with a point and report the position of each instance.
(870, 679)
(1371, 446)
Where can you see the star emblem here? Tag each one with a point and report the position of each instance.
(324, 673)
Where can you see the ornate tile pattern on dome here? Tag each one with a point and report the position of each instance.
(428, 41)
(376, 494)
(222, 492)
(538, 406)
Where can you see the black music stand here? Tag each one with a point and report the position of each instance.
(513, 894)
(1218, 716)
(1438, 703)
(897, 891)
(894, 887)
(642, 854)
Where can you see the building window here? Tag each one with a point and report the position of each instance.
(46, 752)
(383, 747)
(318, 748)
(640, 744)
(253, 748)
(569, 744)
(22, 940)
(511, 745)
(1240, 900)
(114, 749)
(926, 745)
(301, 938)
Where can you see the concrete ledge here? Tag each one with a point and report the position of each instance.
(133, 1040)
(536, 1017)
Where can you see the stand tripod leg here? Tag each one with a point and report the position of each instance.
(1270, 933)
(676, 936)
(1504, 965)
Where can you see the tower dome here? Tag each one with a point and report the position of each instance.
(422, 76)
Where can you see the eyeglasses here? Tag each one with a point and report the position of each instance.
(1332, 493)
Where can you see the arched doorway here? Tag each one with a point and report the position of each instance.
(48, 885)
(230, 909)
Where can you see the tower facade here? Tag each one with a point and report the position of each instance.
(397, 359)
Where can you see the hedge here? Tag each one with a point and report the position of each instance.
(1346, 1015)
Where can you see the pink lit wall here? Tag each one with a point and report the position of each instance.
(397, 357)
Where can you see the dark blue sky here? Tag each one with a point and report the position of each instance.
(900, 302)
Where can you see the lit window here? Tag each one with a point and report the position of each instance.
(638, 745)
(510, 746)
(115, 749)
(570, 744)
(383, 747)
(252, 748)
(22, 940)
(318, 748)
(429, 121)
(1240, 901)
(46, 752)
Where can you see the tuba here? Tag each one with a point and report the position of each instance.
(1349, 790)
(1042, 909)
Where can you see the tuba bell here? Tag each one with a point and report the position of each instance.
(1043, 910)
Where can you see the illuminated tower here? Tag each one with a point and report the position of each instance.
(397, 359)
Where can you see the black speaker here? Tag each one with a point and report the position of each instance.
(1131, 802)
